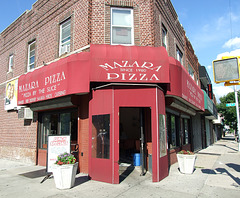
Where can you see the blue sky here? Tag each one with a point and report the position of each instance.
(206, 22)
(213, 27)
(10, 10)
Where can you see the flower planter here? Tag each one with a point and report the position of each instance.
(186, 163)
(64, 175)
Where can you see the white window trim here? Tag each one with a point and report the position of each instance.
(178, 52)
(28, 65)
(191, 72)
(10, 66)
(164, 36)
(60, 38)
(132, 27)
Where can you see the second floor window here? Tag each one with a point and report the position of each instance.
(164, 37)
(10, 64)
(179, 55)
(122, 26)
(31, 55)
(65, 37)
(191, 72)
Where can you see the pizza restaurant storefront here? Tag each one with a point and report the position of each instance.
(111, 101)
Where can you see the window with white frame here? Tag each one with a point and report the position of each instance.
(31, 55)
(10, 63)
(179, 55)
(164, 37)
(65, 37)
(191, 72)
(122, 26)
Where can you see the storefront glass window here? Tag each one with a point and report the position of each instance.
(54, 124)
(101, 136)
(74, 126)
(65, 123)
(173, 132)
(162, 135)
(45, 131)
(57, 123)
(186, 131)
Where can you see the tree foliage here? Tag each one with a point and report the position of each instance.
(229, 113)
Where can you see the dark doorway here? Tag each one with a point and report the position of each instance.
(135, 140)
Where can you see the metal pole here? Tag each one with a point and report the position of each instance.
(237, 110)
(142, 154)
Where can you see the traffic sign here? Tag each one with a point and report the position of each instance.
(230, 104)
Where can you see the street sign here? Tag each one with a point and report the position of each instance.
(230, 104)
(226, 70)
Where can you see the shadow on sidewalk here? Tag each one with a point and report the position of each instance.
(125, 173)
(80, 180)
(226, 147)
(228, 138)
(236, 167)
(35, 174)
(223, 170)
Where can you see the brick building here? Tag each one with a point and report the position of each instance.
(73, 45)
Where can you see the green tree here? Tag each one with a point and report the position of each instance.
(229, 113)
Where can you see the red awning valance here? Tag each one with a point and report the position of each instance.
(66, 76)
(117, 63)
(183, 86)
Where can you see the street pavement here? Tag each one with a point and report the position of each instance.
(217, 174)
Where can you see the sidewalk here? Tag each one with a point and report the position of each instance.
(217, 174)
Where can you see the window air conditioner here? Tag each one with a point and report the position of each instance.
(25, 113)
(65, 49)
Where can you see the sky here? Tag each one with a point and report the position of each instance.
(212, 26)
(10, 10)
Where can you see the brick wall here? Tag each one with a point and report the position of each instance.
(165, 15)
(101, 20)
(83, 138)
(42, 24)
(18, 137)
(191, 59)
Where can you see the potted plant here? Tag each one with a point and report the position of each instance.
(186, 161)
(64, 171)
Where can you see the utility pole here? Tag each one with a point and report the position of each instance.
(227, 70)
(237, 110)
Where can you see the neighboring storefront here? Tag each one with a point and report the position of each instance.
(210, 114)
(184, 101)
(218, 123)
(114, 102)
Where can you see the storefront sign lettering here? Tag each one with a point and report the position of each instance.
(56, 145)
(59, 141)
(193, 95)
(147, 65)
(131, 77)
(28, 86)
(127, 71)
(55, 78)
(45, 88)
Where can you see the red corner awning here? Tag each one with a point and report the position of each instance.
(66, 76)
(117, 63)
(104, 63)
(183, 86)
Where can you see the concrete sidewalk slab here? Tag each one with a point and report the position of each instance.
(217, 174)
